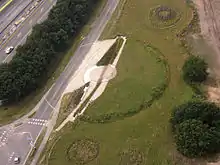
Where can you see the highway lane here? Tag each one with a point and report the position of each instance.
(34, 126)
(20, 35)
(12, 11)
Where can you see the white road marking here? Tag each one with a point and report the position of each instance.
(30, 22)
(37, 122)
(41, 10)
(19, 34)
(49, 104)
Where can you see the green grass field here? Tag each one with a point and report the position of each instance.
(134, 84)
(143, 138)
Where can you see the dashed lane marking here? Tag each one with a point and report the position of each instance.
(30, 22)
(19, 34)
(42, 9)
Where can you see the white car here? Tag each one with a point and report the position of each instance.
(8, 50)
(16, 160)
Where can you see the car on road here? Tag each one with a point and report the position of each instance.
(17, 160)
(8, 50)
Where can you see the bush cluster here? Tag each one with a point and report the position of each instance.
(196, 128)
(195, 70)
(27, 70)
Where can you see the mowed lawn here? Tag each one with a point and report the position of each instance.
(144, 138)
(138, 72)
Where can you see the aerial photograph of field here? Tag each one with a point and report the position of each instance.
(110, 82)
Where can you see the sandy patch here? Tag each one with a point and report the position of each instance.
(101, 73)
(209, 15)
(214, 94)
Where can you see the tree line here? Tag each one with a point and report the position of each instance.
(26, 71)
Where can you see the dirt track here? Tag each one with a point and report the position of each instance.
(209, 14)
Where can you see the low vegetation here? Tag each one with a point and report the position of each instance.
(69, 102)
(28, 68)
(164, 16)
(196, 128)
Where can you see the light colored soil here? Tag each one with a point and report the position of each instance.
(209, 14)
(102, 73)
(214, 94)
(218, 163)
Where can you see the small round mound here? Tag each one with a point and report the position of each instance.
(131, 157)
(82, 151)
(163, 17)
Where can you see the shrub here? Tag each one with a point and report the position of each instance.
(196, 127)
(207, 112)
(193, 138)
(195, 70)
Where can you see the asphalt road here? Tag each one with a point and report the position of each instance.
(19, 140)
(20, 35)
(12, 11)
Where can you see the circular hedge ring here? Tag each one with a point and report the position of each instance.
(132, 157)
(82, 151)
(163, 17)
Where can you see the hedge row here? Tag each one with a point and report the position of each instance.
(28, 68)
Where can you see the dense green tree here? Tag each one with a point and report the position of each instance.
(196, 128)
(195, 70)
(207, 112)
(28, 68)
(194, 138)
